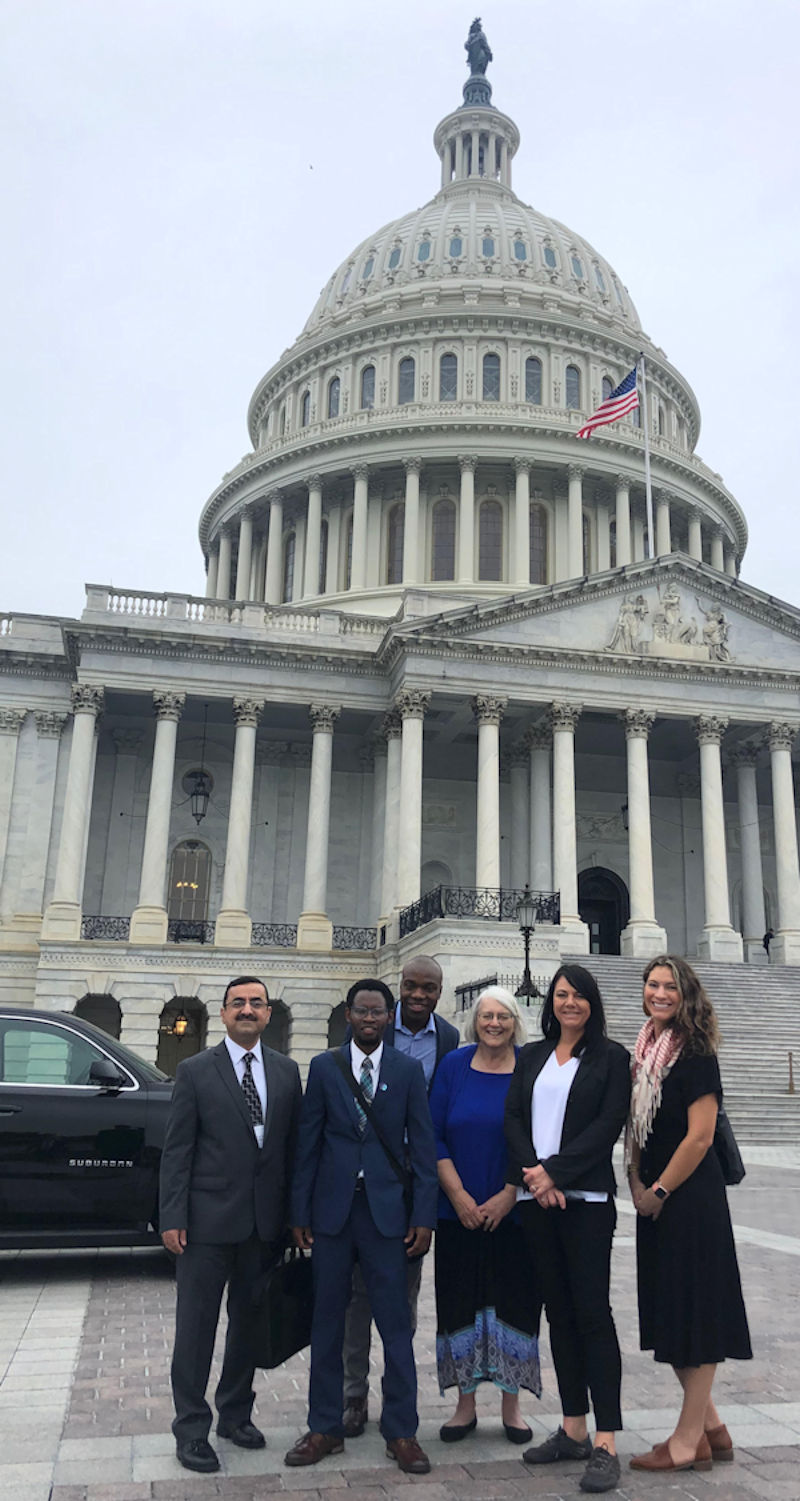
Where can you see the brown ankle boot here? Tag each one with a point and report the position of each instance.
(720, 1443)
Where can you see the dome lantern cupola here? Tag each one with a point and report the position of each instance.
(476, 141)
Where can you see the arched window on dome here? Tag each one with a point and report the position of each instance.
(189, 882)
(288, 568)
(456, 247)
(608, 386)
(406, 379)
(587, 543)
(549, 257)
(572, 381)
(520, 250)
(577, 266)
(487, 245)
(323, 555)
(443, 541)
(305, 409)
(538, 545)
(533, 380)
(448, 378)
(334, 396)
(369, 267)
(368, 388)
(491, 377)
(394, 258)
(346, 279)
(490, 540)
(348, 551)
(394, 544)
(662, 421)
(424, 250)
(600, 280)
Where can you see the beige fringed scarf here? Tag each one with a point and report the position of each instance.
(653, 1057)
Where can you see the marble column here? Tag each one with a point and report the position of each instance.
(233, 926)
(377, 749)
(540, 739)
(358, 566)
(411, 704)
(785, 946)
(603, 531)
(314, 927)
(717, 552)
(149, 919)
(392, 731)
(695, 535)
(488, 711)
(62, 920)
(744, 758)
(411, 522)
(575, 522)
(245, 556)
(211, 576)
(560, 534)
(313, 537)
(521, 550)
(663, 528)
(642, 938)
(718, 940)
(122, 866)
(466, 520)
(224, 565)
(24, 926)
(273, 587)
(11, 722)
(519, 784)
(564, 718)
(730, 562)
(623, 515)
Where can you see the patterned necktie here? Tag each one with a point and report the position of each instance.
(366, 1084)
(250, 1092)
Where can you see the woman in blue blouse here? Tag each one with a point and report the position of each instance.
(486, 1303)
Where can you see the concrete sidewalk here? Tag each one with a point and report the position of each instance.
(85, 1408)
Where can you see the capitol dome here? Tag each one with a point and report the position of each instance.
(423, 428)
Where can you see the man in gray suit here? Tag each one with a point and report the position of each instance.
(225, 1173)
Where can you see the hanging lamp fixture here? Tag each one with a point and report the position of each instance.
(201, 781)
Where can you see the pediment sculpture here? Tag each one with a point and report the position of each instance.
(673, 633)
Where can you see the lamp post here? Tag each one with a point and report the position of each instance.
(526, 918)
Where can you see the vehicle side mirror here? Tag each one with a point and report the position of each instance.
(105, 1074)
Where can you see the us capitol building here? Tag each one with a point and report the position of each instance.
(433, 662)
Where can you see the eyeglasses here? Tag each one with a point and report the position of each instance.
(239, 1002)
(362, 1012)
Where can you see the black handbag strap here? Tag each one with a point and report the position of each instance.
(359, 1095)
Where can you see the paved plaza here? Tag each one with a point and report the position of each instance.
(85, 1410)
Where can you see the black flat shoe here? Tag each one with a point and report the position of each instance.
(518, 1435)
(456, 1431)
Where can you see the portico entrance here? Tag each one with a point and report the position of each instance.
(604, 906)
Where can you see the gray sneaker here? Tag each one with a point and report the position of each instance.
(558, 1446)
(602, 1472)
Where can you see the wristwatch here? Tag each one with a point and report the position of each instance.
(660, 1191)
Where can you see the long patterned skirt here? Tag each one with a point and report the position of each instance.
(487, 1309)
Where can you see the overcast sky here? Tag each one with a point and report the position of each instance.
(181, 177)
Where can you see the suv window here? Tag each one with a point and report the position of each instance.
(39, 1053)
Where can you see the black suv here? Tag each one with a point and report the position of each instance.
(82, 1122)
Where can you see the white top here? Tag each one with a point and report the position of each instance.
(548, 1108)
(357, 1061)
(257, 1070)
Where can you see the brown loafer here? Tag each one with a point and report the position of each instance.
(720, 1443)
(410, 1457)
(660, 1458)
(356, 1416)
(313, 1447)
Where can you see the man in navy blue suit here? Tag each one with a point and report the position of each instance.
(348, 1202)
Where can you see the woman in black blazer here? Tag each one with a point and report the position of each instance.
(566, 1105)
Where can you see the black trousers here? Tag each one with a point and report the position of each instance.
(201, 1274)
(571, 1251)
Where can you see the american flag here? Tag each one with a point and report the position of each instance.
(623, 400)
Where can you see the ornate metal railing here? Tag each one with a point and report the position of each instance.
(187, 930)
(109, 929)
(280, 935)
(355, 938)
(496, 904)
(466, 995)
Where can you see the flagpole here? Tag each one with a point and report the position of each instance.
(647, 485)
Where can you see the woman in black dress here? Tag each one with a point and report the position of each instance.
(691, 1312)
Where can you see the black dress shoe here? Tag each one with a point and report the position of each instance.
(356, 1415)
(450, 1433)
(197, 1454)
(246, 1435)
(518, 1435)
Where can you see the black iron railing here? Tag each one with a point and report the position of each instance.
(496, 904)
(188, 930)
(279, 935)
(355, 938)
(109, 929)
(467, 994)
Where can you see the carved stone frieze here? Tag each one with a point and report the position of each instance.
(710, 728)
(412, 703)
(488, 708)
(609, 827)
(84, 699)
(323, 717)
(168, 705)
(247, 711)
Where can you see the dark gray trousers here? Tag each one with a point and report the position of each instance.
(201, 1274)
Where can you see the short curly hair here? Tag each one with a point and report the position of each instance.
(504, 998)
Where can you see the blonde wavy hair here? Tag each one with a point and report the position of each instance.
(695, 1018)
(504, 998)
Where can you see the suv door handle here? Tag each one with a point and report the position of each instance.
(10, 1109)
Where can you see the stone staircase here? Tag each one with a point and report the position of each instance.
(758, 1009)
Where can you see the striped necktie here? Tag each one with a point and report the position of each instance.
(365, 1081)
(250, 1092)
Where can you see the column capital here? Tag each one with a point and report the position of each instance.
(522, 466)
(323, 717)
(638, 723)
(50, 723)
(746, 753)
(565, 716)
(248, 511)
(392, 725)
(360, 471)
(540, 735)
(247, 712)
(84, 699)
(575, 471)
(127, 742)
(313, 481)
(12, 720)
(488, 708)
(665, 496)
(168, 705)
(411, 703)
(276, 497)
(622, 481)
(693, 512)
(780, 734)
(467, 462)
(517, 755)
(413, 465)
(710, 728)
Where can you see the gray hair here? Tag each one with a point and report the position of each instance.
(504, 998)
